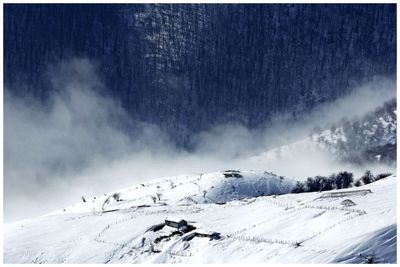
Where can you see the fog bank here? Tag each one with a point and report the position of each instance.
(83, 143)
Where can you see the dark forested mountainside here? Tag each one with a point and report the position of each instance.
(188, 67)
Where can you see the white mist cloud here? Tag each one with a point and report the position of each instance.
(79, 144)
(235, 139)
(47, 146)
(361, 100)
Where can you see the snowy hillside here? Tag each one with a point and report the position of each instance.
(217, 187)
(229, 217)
(370, 139)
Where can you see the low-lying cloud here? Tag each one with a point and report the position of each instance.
(83, 143)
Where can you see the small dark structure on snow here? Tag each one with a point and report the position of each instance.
(175, 223)
(211, 235)
(348, 203)
(180, 224)
(232, 173)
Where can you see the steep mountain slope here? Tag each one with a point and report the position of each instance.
(288, 228)
(189, 67)
(370, 139)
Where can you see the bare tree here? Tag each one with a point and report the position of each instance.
(117, 196)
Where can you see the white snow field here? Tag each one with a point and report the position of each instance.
(255, 216)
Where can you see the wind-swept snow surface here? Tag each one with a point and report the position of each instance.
(229, 217)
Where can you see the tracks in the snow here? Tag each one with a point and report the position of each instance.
(236, 235)
(289, 209)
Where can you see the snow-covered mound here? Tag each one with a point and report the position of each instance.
(352, 225)
(216, 187)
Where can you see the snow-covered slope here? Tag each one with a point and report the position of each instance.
(370, 139)
(280, 228)
(216, 187)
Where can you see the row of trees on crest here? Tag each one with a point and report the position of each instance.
(336, 181)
